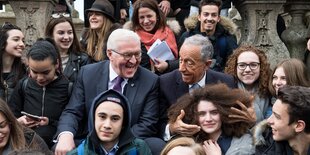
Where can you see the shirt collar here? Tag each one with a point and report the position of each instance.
(201, 83)
(113, 74)
(112, 151)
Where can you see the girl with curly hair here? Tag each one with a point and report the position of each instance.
(214, 108)
(250, 68)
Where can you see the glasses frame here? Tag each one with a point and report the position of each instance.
(248, 65)
(127, 56)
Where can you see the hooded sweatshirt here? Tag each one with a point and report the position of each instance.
(127, 143)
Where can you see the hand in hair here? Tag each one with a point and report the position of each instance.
(245, 114)
(179, 127)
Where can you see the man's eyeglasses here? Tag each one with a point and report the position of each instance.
(58, 15)
(128, 56)
(252, 65)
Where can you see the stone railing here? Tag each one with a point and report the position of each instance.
(32, 17)
(258, 27)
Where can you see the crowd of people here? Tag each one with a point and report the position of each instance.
(104, 94)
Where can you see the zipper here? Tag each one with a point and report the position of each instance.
(43, 101)
(6, 90)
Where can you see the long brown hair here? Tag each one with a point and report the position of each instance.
(17, 138)
(75, 47)
(153, 5)
(295, 73)
(96, 42)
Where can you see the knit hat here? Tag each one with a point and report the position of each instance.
(104, 7)
(112, 96)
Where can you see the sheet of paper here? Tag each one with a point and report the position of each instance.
(160, 50)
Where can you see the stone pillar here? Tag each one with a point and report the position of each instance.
(259, 27)
(295, 35)
(32, 17)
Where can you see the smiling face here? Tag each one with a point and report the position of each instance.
(43, 72)
(209, 118)
(108, 123)
(209, 17)
(248, 76)
(95, 20)
(123, 67)
(4, 132)
(191, 66)
(15, 43)
(63, 36)
(147, 19)
(279, 122)
(278, 79)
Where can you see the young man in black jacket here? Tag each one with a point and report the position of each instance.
(289, 124)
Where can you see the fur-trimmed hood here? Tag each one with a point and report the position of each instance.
(172, 24)
(258, 133)
(191, 23)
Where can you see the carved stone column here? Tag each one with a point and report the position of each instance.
(259, 27)
(294, 36)
(32, 17)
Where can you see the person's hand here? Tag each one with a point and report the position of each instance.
(164, 5)
(308, 45)
(245, 114)
(179, 127)
(211, 147)
(27, 121)
(160, 65)
(65, 144)
(44, 121)
(123, 13)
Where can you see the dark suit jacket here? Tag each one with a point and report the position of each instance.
(141, 91)
(172, 87)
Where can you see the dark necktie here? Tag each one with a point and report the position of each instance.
(118, 84)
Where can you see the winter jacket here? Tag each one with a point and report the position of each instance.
(223, 40)
(264, 143)
(127, 143)
(48, 101)
(75, 62)
(8, 87)
(33, 142)
(145, 59)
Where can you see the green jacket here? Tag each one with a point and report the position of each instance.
(136, 147)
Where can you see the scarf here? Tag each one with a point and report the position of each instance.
(260, 103)
(164, 34)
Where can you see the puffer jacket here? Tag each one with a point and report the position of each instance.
(224, 40)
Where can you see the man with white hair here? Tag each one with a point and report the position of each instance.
(121, 73)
